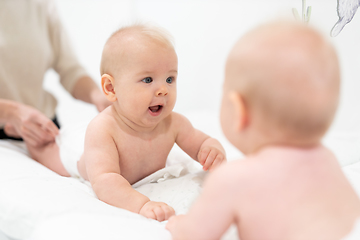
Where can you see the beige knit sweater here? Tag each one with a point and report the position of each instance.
(33, 40)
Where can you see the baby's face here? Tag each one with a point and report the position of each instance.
(145, 85)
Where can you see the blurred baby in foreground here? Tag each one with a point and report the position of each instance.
(280, 94)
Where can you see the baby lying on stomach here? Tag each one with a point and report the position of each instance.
(132, 138)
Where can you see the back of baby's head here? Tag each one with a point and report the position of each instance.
(288, 75)
(131, 36)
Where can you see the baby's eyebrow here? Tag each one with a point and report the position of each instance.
(150, 72)
(145, 72)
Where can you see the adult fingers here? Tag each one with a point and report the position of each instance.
(30, 139)
(51, 127)
(50, 130)
(11, 131)
(37, 133)
(41, 133)
(46, 124)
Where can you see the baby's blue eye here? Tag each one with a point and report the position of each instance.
(147, 80)
(169, 79)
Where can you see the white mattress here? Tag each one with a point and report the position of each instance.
(38, 204)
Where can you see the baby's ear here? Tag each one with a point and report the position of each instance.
(108, 87)
(240, 111)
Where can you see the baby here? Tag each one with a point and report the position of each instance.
(280, 95)
(132, 138)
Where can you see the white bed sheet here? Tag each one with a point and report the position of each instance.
(37, 204)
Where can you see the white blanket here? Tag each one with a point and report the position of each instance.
(38, 204)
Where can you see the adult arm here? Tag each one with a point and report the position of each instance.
(73, 76)
(85, 89)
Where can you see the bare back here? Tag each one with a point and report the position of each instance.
(279, 193)
(296, 194)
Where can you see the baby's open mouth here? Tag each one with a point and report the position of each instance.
(155, 108)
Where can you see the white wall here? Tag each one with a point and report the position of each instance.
(204, 32)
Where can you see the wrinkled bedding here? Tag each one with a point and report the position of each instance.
(38, 204)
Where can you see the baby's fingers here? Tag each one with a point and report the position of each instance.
(210, 159)
(163, 212)
(203, 155)
(157, 210)
(149, 214)
(159, 213)
(218, 161)
(169, 212)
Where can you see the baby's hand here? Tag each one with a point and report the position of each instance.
(157, 210)
(211, 158)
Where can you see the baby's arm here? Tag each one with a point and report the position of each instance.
(103, 169)
(210, 216)
(206, 150)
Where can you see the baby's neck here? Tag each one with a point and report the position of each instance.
(283, 148)
(258, 139)
(131, 126)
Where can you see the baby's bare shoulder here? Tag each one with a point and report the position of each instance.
(176, 121)
(176, 118)
(103, 122)
(179, 122)
(237, 172)
(255, 171)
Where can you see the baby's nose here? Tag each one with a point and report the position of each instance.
(162, 91)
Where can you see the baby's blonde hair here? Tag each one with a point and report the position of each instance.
(288, 75)
(148, 31)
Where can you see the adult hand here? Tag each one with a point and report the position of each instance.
(157, 210)
(30, 124)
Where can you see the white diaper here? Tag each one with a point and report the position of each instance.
(71, 145)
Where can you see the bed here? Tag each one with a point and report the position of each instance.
(38, 204)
